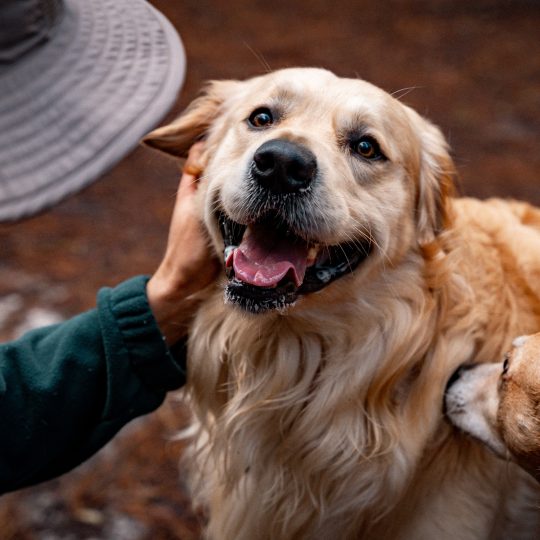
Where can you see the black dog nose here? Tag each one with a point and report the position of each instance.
(283, 166)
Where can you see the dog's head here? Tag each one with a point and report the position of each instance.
(310, 178)
(499, 404)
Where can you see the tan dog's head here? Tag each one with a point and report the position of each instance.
(499, 404)
(308, 177)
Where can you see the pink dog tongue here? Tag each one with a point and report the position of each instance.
(263, 258)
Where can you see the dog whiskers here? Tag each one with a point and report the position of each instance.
(404, 91)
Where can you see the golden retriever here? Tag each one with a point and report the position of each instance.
(354, 286)
(499, 403)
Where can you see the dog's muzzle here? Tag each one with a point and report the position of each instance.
(272, 261)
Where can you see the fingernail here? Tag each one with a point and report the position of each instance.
(193, 170)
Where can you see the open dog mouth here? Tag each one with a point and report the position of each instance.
(269, 266)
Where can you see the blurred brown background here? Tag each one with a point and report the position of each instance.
(473, 67)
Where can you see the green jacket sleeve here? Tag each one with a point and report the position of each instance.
(67, 389)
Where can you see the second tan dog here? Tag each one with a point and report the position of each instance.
(499, 404)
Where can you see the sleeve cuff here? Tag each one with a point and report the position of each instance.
(160, 369)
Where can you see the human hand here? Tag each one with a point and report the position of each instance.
(188, 265)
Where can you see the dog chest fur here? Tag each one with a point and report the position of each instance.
(330, 419)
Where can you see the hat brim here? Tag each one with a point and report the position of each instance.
(76, 105)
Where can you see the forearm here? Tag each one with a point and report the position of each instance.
(66, 390)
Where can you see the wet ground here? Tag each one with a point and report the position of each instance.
(472, 67)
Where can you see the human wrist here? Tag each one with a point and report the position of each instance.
(172, 305)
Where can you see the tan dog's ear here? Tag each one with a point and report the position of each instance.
(435, 181)
(178, 137)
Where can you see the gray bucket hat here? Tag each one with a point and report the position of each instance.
(81, 81)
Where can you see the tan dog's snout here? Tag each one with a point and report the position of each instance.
(498, 403)
(281, 166)
(472, 400)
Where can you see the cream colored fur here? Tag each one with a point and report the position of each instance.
(325, 421)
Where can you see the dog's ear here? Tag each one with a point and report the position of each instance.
(435, 181)
(192, 125)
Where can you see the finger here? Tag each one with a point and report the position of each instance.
(187, 186)
(193, 162)
(192, 168)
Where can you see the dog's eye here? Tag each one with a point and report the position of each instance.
(260, 118)
(368, 148)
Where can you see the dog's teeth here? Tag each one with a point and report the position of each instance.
(227, 252)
